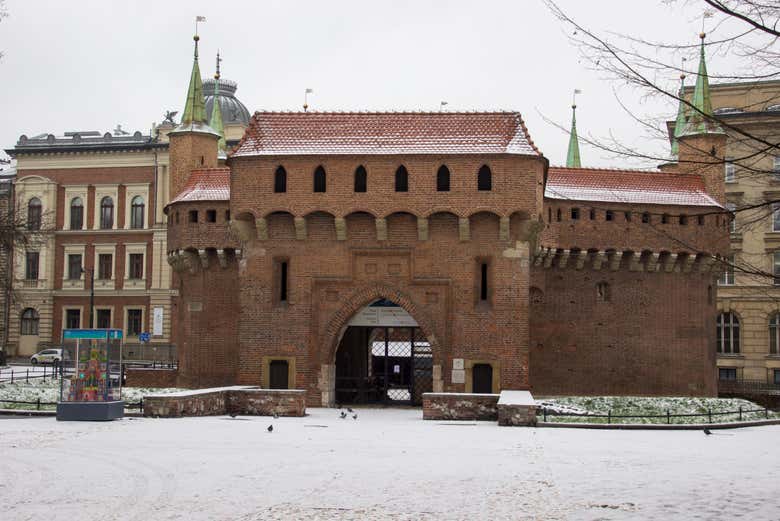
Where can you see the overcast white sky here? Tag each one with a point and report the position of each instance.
(93, 64)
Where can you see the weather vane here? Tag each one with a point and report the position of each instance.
(198, 19)
(574, 98)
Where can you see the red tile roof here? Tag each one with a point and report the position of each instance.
(626, 186)
(306, 133)
(206, 184)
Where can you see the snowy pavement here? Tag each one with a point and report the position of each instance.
(387, 464)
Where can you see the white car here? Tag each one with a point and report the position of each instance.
(47, 356)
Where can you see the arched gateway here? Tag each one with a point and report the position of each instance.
(383, 357)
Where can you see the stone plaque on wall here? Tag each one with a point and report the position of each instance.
(458, 376)
(457, 363)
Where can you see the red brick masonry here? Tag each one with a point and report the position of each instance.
(145, 377)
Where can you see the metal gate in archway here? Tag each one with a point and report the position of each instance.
(397, 370)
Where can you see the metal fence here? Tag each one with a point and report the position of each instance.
(748, 386)
(667, 418)
(25, 374)
(38, 403)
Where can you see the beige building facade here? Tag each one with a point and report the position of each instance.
(748, 339)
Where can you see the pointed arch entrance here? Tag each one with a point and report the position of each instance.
(383, 357)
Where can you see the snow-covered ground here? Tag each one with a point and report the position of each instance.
(387, 464)
(48, 392)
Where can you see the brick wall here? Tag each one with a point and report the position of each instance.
(145, 377)
(655, 335)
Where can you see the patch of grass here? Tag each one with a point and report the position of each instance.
(647, 410)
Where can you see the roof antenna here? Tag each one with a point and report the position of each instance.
(306, 99)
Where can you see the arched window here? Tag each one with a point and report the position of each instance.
(443, 179)
(361, 179)
(34, 211)
(106, 213)
(137, 212)
(29, 322)
(484, 179)
(774, 334)
(76, 213)
(280, 180)
(727, 338)
(401, 179)
(320, 184)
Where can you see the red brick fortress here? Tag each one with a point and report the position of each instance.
(559, 280)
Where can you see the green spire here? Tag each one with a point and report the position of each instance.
(216, 113)
(700, 120)
(195, 107)
(573, 157)
(682, 116)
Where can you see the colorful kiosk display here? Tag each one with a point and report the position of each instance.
(91, 382)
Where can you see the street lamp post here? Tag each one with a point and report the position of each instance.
(91, 294)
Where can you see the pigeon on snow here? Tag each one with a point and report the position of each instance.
(707, 431)
(343, 415)
(270, 428)
(354, 416)
(233, 414)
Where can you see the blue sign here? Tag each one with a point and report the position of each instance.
(144, 337)
(91, 334)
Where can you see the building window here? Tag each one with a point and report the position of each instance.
(727, 336)
(727, 278)
(31, 265)
(282, 289)
(76, 214)
(776, 267)
(320, 184)
(361, 179)
(227, 216)
(105, 266)
(776, 378)
(401, 179)
(29, 324)
(776, 167)
(664, 219)
(700, 218)
(72, 318)
(730, 171)
(134, 322)
(609, 215)
(645, 218)
(177, 217)
(74, 266)
(106, 213)
(443, 179)
(683, 220)
(774, 334)
(575, 214)
(483, 281)
(103, 318)
(627, 215)
(484, 179)
(136, 268)
(727, 373)
(137, 212)
(603, 292)
(280, 180)
(211, 216)
(592, 214)
(34, 212)
(775, 218)
(193, 216)
(732, 218)
(558, 215)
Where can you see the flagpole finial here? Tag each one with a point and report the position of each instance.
(217, 75)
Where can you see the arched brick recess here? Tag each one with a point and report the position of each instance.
(366, 295)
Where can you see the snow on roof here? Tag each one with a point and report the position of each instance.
(206, 184)
(305, 133)
(627, 186)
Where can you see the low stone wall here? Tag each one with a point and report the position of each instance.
(517, 408)
(246, 400)
(460, 406)
(148, 377)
